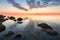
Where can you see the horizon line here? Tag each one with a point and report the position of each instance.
(32, 14)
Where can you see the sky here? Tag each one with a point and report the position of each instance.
(53, 7)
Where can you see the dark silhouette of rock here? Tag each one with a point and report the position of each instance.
(10, 33)
(48, 29)
(6, 19)
(19, 19)
(52, 32)
(20, 22)
(44, 26)
(2, 18)
(11, 18)
(15, 20)
(2, 27)
(19, 35)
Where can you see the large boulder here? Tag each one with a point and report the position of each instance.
(2, 27)
(19, 35)
(44, 26)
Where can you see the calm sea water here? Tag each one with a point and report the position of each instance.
(31, 25)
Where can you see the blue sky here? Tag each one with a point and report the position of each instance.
(5, 3)
(23, 2)
(5, 6)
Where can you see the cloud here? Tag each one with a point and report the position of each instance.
(31, 3)
(38, 4)
(42, 3)
(35, 4)
(51, 2)
(17, 5)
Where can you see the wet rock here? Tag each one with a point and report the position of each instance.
(19, 35)
(20, 22)
(2, 18)
(2, 27)
(15, 20)
(52, 33)
(10, 33)
(19, 19)
(6, 19)
(11, 18)
(44, 26)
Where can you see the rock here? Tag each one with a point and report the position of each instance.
(1, 16)
(19, 35)
(11, 18)
(44, 26)
(2, 27)
(10, 33)
(15, 20)
(20, 22)
(52, 33)
(19, 19)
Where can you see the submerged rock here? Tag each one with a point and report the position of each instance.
(52, 33)
(44, 26)
(19, 35)
(10, 33)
